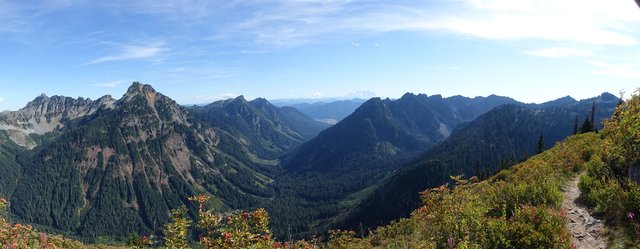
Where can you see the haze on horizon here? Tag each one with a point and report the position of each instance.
(198, 51)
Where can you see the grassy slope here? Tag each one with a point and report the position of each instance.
(519, 207)
(515, 208)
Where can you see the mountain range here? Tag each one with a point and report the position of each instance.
(329, 112)
(111, 167)
(494, 141)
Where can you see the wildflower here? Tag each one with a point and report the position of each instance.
(266, 237)
(630, 215)
(450, 241)
(245, 215)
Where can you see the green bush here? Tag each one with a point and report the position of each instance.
(606, 185)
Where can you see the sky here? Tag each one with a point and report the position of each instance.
(199, 51)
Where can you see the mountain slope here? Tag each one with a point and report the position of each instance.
(267, 130)
(380, 129)
(334, 170)
(496, 140)
(123, 167)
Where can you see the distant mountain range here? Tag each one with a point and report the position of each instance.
(340, 165)
(493, 141)
(266, 129)
(329, 112)
(382, 129)
(111, 167)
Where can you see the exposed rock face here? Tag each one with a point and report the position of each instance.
(119, 166)
(46, 114)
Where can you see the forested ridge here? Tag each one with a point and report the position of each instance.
(139, 157)
(518, 207)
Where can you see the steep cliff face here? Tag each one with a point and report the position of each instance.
(46, 114)
(121, 167)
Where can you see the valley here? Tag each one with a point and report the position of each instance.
(115, 167)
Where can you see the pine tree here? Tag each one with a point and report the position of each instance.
(593, 117)
(575, 126)
(540, 145)
(587, 126)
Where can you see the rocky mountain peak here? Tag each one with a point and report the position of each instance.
(38, 101)
(45, 114)
(145, 106)
(143, 90)
(261, 103)
(605, 97)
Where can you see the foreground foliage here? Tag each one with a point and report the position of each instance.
(608, 184)
(517, 208)
(24, 236)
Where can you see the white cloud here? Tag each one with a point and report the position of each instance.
(218, 97)
(355, 44)
(111, 83)
(134, 52)
(229, 95)
(1, 99)
(618, 70)
(315, 95)
(295, 23)
(583, 21)
(21, 17)
(300, 22)
(560, 52)
(363, 94)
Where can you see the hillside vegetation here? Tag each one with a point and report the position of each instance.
(516, 208)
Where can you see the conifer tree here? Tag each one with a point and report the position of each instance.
(540, 145)
(586, 126)
(593, 117)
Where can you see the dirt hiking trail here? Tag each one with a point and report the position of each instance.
(586, 231)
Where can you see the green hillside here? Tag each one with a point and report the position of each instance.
(516, 208)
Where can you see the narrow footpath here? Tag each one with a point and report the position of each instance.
(586, 231)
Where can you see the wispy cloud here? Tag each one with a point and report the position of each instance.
(618, 70)
(1, 99)
(583, 21)
(134, 52)
(294, 23)
(316, 94)
(21, 17)
(217, 97)
(114, 83)
(560, 52)
(363, 94)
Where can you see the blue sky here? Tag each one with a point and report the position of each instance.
(199, 51)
